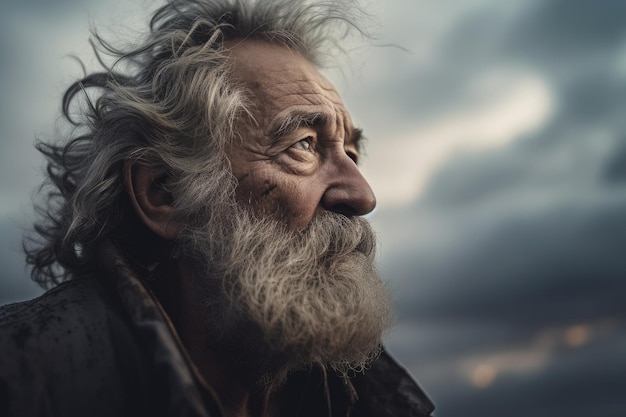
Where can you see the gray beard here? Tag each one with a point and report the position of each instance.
(274, 300)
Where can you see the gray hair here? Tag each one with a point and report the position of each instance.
(168, 103)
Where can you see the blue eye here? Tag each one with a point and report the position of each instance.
(304, 144)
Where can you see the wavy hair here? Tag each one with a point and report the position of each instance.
(168, 103)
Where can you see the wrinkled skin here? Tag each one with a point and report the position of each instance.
(309, 168)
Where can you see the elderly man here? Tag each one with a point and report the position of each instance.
(202, 233)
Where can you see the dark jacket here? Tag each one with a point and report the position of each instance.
(103, 346)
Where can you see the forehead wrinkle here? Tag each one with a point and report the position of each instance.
(289, 79)
(312, 93)
(275, 100)
(278, 92)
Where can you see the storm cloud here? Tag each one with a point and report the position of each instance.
(508, 267)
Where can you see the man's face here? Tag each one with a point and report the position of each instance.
(299, 158)
(285, 270)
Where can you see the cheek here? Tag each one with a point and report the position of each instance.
(253, 188)
(298, 203)
(260, 188)
(291, 199)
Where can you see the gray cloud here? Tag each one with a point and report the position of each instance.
(614, 172)
(557, 30)
(509, 242)
(532, 222)
(563, 265)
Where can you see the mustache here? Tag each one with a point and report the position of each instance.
(328, 235)
(241, 234)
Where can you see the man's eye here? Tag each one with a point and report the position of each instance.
(304, 144)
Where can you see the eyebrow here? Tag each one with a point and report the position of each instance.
(357, 139)
(297, 119)
(293, 121)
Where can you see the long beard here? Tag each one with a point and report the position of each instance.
(276, 300)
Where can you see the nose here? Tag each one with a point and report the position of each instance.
(348, 192)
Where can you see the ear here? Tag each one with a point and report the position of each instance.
(151, 201)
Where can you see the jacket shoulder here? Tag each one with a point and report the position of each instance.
(57, 354)
(74, 291)
(53, 322)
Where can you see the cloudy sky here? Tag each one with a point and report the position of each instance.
(497, 149)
